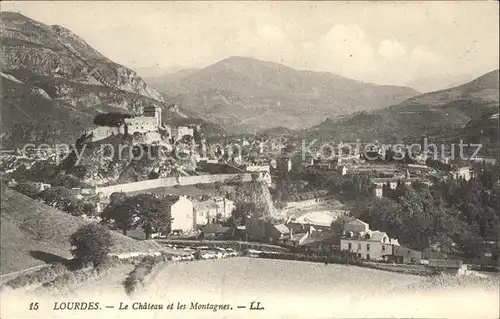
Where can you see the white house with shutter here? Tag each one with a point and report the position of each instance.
(367, 244)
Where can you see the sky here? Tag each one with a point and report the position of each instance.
(383, 42)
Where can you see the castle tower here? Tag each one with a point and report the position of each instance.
(154, 111)
(158, 114)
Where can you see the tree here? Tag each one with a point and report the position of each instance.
(27, 188)
(69, 181)
(112, 119)
(88, 209)
(121, 212)
(155, 214)
(337, 226)
(91, 244)
(41, 172)
(116, 196)
(153, 175)
(145, 210)
(381, 213)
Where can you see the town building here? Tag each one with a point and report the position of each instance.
(42, 186)
(225, 207)
(212, 210)
(392, 182)
(181, 211)
(404, 255)
(211, 231)
(278, 233)
(365, 243)
(205, 212)
(260, 229)
(462, 173)
(321, 241)
(317, 218)
(177, 133)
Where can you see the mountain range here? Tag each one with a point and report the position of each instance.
(446, 115)
(243, 94)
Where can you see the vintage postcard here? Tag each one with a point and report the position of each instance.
(253, 159)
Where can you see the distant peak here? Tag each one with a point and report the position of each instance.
(243, 61)
(239, 58)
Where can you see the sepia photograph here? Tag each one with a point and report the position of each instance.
(249, 159)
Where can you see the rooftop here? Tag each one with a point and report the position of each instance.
(319, 218)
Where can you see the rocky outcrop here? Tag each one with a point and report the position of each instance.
(54, 51)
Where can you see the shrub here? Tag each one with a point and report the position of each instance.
(92, 244)
(38, 277)
(140, 272)
(27, 188)
(62, 198)
(62, 281)
(197, 255)
(72, 277)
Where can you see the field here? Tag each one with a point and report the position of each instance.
(285, 289)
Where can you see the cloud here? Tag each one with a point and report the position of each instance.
(344, 50)
(421, 55)
(346, 41)
(391, 49)
(347, 50)
(423, 62)
(267, 31)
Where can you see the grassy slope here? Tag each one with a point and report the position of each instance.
(28, 225)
